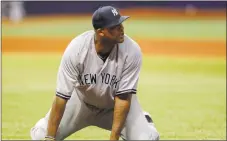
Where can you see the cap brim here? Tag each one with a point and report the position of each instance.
(121, 20)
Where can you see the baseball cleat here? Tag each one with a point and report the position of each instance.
(148, 117)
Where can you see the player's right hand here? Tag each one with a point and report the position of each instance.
(49, 138)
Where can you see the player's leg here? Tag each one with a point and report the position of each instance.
(138, 124)
(76, 117)
(149, 120)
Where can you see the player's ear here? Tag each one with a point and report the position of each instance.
(100, 32)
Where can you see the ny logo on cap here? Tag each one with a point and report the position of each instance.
(114, 11)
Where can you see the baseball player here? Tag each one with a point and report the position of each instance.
(97, 85)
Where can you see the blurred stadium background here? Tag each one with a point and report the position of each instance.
(183, 77)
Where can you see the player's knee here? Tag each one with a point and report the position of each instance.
(154, 133)
(38, 132)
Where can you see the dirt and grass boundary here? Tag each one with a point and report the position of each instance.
(154, 47)
(206, 48)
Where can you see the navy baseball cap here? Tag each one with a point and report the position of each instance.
(107, 16)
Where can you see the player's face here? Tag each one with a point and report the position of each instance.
(115, 34)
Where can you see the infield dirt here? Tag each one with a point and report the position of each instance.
(154, 47)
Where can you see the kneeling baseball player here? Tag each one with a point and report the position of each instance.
(97, 85)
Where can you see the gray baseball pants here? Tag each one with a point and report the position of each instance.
(79, 115)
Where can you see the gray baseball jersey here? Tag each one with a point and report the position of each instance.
(95, 81)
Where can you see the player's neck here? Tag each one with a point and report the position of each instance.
(102, 47)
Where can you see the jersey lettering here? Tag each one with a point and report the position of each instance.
(80, 80)
(112, 80)
(86, 79)
(93, 78)
(106, 78)
(115, 83)
(103, 75)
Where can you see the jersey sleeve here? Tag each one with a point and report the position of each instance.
(130, 75)
(67, 73)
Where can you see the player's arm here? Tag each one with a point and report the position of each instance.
(127, 87)
(66, 80)
(121, 109)
(57, 110)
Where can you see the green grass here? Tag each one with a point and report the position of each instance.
(185, 96)
(150, 28)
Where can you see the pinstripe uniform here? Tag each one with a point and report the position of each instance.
(90, 84)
